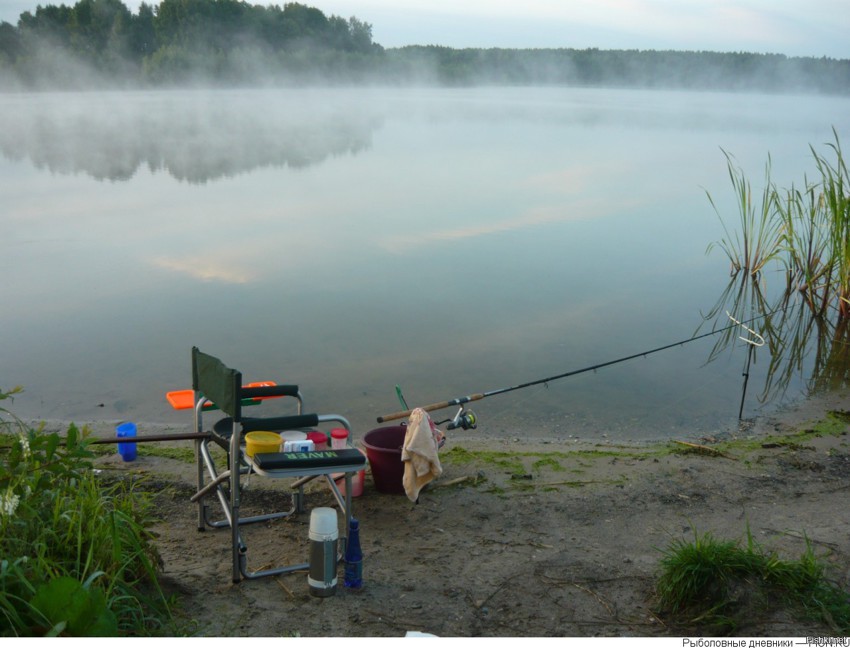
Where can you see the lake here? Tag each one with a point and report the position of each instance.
(449, 241)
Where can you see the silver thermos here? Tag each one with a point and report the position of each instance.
(324, 536)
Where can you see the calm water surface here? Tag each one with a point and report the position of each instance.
(449, 241)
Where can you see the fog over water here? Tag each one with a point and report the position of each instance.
(451, 241)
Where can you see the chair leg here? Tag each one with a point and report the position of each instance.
(234, 503)
(349, 506)
(200, 481)
(298, 499)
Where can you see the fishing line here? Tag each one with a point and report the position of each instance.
(542, 381)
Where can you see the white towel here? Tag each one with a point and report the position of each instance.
(419, 453)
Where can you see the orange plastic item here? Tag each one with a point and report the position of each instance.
(264, 383)
(185, 398)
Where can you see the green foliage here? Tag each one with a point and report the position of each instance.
(835, 187)
(77, 558)
(715, 584)
(507, 461)
(178, 40)
(70, 607)
(835, 424)
(816, 225)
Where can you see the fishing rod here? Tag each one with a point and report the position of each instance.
(467, 420)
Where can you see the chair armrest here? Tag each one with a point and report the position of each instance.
(344, 459)
(269, 391)
(296, 422)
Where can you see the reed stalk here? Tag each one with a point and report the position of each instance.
(835, 196)
(806, 230)
(806, 244)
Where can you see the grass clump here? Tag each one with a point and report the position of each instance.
(835, 424)
(76, 558)
(507, 461)
(549, 463)
(717, 585)
(184, 455)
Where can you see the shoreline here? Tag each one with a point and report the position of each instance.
(812, 408)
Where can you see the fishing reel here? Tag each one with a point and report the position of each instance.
(464, 419)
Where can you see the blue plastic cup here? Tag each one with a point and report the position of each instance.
(126, 450)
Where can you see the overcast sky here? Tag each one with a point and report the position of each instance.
(792, 27)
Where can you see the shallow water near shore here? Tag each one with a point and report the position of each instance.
(448, 241)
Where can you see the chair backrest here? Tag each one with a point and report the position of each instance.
(217, 382)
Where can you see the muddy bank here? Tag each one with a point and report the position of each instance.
(520, 538)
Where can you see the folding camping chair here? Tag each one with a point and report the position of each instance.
(213, 382)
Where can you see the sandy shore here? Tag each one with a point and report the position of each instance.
(550, 538)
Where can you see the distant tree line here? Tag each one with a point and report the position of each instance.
(233, 42)
(628, 68)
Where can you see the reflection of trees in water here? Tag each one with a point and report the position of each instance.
(194, 139)
(799, 341)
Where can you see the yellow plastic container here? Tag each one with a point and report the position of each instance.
(258, 442)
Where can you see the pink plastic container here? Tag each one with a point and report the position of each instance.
(357, 481)
(339, 438)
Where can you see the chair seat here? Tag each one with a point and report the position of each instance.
(223, 427)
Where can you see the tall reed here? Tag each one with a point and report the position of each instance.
(835, 192)
(805, 230)
(757, 240)
(806, 244)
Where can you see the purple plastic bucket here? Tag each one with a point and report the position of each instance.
(383, 449)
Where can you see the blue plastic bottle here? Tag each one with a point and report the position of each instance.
(353, 558)
(126, 450)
